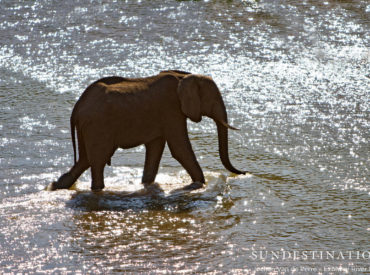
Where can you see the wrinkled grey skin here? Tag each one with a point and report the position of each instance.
(117, 112)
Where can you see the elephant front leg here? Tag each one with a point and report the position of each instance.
(154, 151)
(182, 151)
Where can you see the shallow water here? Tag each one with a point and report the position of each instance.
(295, 79)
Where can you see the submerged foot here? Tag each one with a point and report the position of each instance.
(64, 182)
(194, 186)
(52, 186)
(153, 188)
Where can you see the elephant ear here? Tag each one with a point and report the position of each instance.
(188, 92)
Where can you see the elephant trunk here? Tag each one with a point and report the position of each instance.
(220, 117)
(223, 148)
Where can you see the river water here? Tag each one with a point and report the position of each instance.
(295, 77)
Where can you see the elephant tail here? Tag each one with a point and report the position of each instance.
(73, 135)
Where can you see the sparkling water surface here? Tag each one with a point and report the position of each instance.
(295, 77)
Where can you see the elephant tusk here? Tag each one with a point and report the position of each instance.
(224, 123)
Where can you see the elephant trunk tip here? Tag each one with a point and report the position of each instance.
(236, 171)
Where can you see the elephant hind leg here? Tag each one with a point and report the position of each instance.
(98, 156)
(154, 151)
(69, 178)
(97, 175)
(98, 160)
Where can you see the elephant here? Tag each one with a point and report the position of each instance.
(117, 112)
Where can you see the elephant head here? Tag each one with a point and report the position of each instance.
(199, 96)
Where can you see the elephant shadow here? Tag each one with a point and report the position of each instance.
(153, 198)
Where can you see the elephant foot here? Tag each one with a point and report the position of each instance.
(153, 188)
(64, 182)
(194, 186)
(97, 188)
(51, 186)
